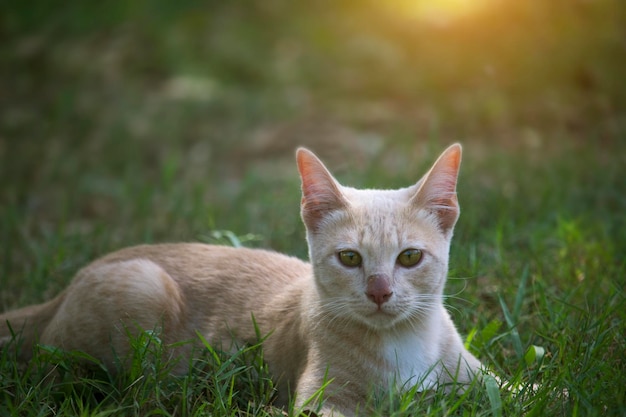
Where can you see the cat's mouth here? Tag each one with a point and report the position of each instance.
(380, 312)
(381, 317)
(374, 316)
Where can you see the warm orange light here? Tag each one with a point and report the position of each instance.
(442, 11)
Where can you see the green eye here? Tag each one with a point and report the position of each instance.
(410, 257)
(350, 258)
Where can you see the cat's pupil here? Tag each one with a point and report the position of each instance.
(350, 258)
(410, 257)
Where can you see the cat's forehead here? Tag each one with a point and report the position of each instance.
(376, 198)
(387, 217)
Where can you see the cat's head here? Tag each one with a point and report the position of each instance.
(380, 256)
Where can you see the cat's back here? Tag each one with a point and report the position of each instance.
(184, 288)
(193, 262)
(218, 287)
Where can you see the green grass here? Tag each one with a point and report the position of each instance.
(147, 122)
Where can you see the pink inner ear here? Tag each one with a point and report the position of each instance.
(438, 190)
(449, 170)
(320, 191)
(306, 169)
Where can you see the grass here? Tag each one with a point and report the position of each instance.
(124, 124)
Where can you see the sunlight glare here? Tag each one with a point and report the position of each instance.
(443, 11)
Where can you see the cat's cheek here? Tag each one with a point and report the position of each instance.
(426, 279)
(336, 281)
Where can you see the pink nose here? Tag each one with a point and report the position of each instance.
(378, 289)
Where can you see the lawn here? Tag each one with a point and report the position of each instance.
(135, 122)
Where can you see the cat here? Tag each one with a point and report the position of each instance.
(366, 312)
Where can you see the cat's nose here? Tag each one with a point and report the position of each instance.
(379, 289)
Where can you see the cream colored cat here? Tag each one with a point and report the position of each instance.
(366, 313)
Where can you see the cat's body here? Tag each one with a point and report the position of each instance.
(367, 312)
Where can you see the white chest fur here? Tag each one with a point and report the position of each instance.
(412, 359)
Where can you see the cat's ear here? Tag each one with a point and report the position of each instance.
(436, 191)
(320, 191)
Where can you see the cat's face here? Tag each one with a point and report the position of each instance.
(380, 257)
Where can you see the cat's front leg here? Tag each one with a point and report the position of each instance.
(326, 393)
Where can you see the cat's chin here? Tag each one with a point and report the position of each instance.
(381, 319)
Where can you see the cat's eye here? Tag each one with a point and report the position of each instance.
(410, 257)
(350, 258)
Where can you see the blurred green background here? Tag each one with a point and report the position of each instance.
(127, 122)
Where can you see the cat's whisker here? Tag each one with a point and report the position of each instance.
(451, 307)
(454, 297)
(329, 312)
